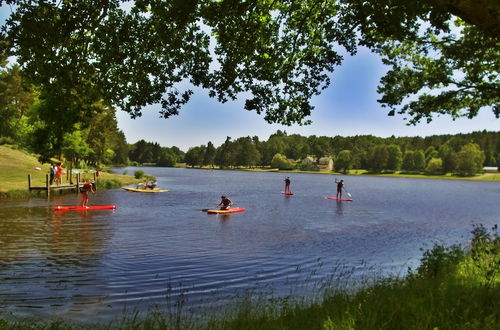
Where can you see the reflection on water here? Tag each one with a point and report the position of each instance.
(156, 249)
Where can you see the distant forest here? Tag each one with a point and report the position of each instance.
(462, 154)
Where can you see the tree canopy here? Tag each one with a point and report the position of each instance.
(443, 54)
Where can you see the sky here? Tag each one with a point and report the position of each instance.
(348, 107)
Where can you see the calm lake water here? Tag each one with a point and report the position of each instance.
(159, 249)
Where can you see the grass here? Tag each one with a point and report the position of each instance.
(15, 165)
(453, 288)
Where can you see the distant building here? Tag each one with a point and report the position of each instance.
(490, 169)
(325, 163)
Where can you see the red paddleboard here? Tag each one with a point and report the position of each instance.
(339, 199)
(81, 208)
(230, 210)
(287, 192)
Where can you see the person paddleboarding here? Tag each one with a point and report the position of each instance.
(340, 186)
(224, 203)
(287, 185)
(88, 187)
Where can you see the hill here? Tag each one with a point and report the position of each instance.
(16, 164)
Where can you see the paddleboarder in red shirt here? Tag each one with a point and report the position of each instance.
(88, 187)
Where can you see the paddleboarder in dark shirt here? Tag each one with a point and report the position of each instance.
(224, 203)
(340, 186)
(287, 184)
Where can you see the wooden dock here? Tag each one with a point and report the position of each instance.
(49, 189)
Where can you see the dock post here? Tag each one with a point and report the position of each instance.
(77, 182)
(95, 182)
(47, 185)
(29, 181)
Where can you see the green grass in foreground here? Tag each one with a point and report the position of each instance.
(452, 288)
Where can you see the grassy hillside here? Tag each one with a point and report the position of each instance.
(15, 165)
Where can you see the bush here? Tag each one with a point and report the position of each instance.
(281, 162)
(434, 166)
(108, 184)
(149, 177)
(138, 174)
(7, 140)
(440, 260)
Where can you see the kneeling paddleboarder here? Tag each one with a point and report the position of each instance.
(224, 203)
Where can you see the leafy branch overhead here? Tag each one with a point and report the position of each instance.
(278, 54)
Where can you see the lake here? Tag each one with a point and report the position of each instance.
(159, 249)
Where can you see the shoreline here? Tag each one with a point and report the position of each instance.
(490, 177)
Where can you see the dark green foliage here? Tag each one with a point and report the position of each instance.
(280, 161)
(470, 160)
(486, 243)
(195, 156)
(46, 124)
(143, 152)
(138, 174)
(395, 158)
(344, 161)
(279, 54)
(440, 261)
(209, 157)
(167, 158)
(379, 158)
(366, 151)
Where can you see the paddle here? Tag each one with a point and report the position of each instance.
(205, 210)
(348, 194)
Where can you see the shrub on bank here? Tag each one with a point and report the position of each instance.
(108, 183)
(138, 174)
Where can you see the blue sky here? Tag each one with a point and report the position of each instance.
(348, 107)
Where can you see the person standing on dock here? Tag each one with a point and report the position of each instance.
(59, 173)
(52, 172)
(88, 187)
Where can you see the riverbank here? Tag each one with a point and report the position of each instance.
(454, 287)
(15, 165)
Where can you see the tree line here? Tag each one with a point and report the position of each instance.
(461, 154)
(30, 121)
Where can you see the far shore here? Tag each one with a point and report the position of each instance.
(359, 172)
